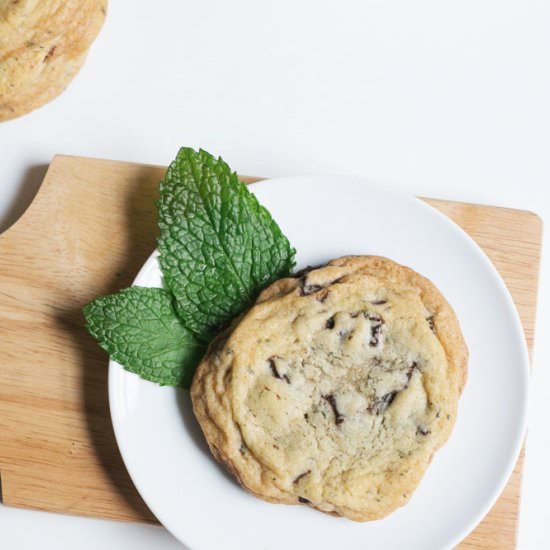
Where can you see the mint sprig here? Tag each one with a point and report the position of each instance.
(218, 248)
(139, 329)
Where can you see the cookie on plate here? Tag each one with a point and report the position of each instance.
(336, 388)
(42, 46)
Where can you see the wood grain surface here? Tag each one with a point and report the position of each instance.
(88, 231)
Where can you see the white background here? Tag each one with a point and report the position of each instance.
(442, 99)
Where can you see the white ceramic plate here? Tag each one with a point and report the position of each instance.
(327, 217)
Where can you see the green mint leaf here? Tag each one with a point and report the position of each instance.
(218, 246)
(139, 329)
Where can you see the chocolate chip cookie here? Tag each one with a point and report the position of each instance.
(336, 388)
(42, 46)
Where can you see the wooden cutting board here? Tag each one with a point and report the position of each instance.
(88, 231)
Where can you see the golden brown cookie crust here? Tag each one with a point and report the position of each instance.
(42, 47)
(336, 388)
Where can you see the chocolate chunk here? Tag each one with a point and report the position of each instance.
(375, 318)
(378, 302)
(375, 335)
(306, 288)
(375, 329)
(388, 398)
(298, 478)
(410, 370)
(422, 430)
(382, 403)
(338, 417)
(431, 324)
(330, 323)
(273, 368)
(304, 500)
(275, 372)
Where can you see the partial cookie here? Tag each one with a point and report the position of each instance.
(336, 388)
(42, 46)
